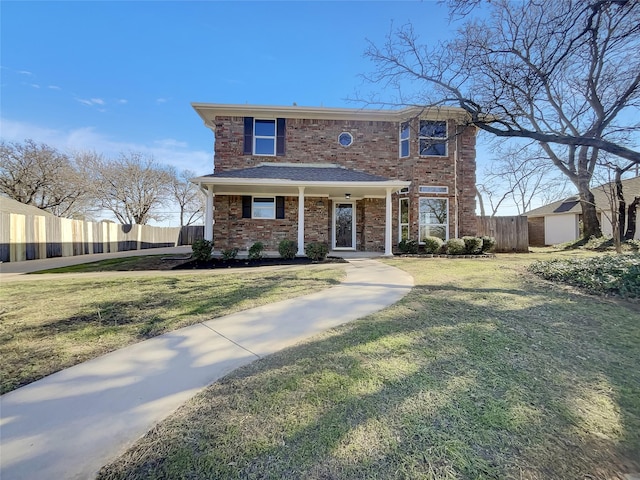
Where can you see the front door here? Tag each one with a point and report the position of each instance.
(344, 226)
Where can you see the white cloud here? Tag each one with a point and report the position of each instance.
(91, 102)
(35, 85)
(170, 143)
(54, 87)
(122, 101)
(162, 100)
(25, 72)
(169, 151)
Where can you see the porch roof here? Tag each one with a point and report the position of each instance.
(317, 179)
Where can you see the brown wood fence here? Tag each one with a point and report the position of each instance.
(190, 234)
(511, 233)
(30, 237)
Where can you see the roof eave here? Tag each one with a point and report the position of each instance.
(209, 111)
(296, 183)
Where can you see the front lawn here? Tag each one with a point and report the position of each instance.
(482, 371)
(47, 325)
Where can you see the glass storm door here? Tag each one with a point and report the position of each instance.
(343, 226)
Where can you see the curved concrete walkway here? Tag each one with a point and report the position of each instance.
(68, 425)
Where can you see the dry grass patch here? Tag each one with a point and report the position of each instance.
(482, 371)
(48, 325)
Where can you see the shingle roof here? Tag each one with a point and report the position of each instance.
(601, 193)
(300, 173)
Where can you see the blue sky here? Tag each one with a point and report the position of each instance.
(120, 76)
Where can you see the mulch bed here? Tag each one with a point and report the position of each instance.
(245, 262)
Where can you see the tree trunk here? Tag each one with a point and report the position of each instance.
(590, 223)
(631, 222)
(622, 206)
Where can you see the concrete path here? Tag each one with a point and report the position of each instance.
(68, 425)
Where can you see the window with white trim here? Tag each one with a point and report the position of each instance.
(433, 189)
(433, 218)
(403, 220)
(433, 138)
(264, 137)
(263, 207)
(405, 135)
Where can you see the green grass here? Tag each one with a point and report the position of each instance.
(141, 262)
(48, 325)
(482, 371)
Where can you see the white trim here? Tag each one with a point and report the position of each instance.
(208, 214)
(388, 251)
(208, 112)
(353, 224)
(300, 221)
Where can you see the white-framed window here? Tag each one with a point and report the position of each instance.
(263, 207)
(433, 138)
(264, 137)
(434, 218)
(405, 135)
(403, 219)
(403, 191)
(433, 189)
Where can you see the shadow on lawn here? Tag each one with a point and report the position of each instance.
(433, 387)
(108, 325)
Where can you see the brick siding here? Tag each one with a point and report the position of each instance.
(374, 150)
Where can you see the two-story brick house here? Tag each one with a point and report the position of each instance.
(356, 179)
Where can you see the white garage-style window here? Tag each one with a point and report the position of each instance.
(264, 207)
(434, 218)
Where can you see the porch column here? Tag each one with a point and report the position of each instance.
(208, 215)
(300, 221)
(387, 226)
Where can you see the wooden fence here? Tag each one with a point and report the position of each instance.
(30, 237)
(190, 234)
(511, 233)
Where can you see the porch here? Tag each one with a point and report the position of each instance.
(268, 202)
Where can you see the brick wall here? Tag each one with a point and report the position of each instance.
(374, 150)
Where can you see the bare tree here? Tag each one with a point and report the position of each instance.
(133, 187)
(188, 197)
(564, 73)
(39, 175)
(522, 174)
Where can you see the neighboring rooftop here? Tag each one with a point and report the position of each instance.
(8, 205)
(602, 193)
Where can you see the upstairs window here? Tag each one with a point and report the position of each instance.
(405, 134)
(264, 136)
(433, 138)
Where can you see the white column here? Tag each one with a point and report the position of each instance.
(301, 221)
(208, 215)
(387, 226)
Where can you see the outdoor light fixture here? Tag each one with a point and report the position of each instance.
(347, 196)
